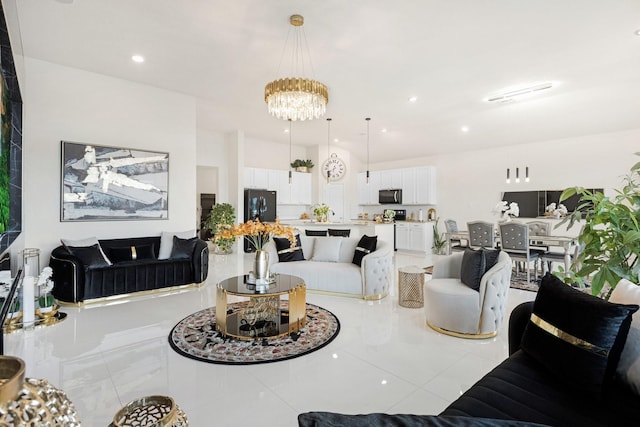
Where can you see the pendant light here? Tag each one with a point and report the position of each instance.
(290, 173)
(368, 119)
(328, 147)
(297, 97)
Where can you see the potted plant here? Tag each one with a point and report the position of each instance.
(439, 242)
(46, 301)
(321, 212)
(610, 236)
(302, 165)
(222, 217)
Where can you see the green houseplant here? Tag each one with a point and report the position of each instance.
(302, 165)
(222, 217)
(610, 235)
(321, 212)
(439, 242)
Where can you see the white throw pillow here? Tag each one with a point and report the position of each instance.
(166, 241)
(83, 243)
(628, 369)
(327, 249)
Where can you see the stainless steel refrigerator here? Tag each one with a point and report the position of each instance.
(259, 204)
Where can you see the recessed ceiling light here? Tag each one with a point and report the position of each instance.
(286, 131)
(464, 129)
(336, 140)
(137, 58)
(384, 130)
(637, 33)
(413, 99)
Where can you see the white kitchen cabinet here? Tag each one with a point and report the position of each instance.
(300, 188)
(409, 186)
(296, 193)
(402, 236)
(256, 178)
(425, 190)
(390, 179)
(368, 193)
(417, 236)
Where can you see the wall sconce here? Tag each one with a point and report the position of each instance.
(508, 176)
(517, 175)
(526, 176)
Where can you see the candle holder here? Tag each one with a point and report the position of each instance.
(29, 401)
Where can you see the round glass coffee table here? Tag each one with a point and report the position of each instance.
(263, 315)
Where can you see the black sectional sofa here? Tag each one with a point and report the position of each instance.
(550, 378)
(76, 281)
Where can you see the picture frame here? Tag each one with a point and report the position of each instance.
(108, 183)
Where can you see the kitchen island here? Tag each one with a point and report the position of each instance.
(384, 231)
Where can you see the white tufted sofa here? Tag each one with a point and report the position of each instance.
(371, 281)
(453, 308)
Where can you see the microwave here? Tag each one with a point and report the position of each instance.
(388, 197)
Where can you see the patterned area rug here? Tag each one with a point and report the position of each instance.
(196, 337)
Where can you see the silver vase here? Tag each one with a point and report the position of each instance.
(261, 265)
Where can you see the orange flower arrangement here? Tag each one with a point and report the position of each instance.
(259, 233)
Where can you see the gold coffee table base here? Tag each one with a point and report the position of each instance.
(263, 316)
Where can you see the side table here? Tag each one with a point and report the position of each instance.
(411, 286)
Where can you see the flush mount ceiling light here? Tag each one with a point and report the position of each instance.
(512, 94)
(296, 98)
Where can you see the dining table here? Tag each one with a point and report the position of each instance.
(564, 242)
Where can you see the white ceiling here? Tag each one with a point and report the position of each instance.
(372, 55)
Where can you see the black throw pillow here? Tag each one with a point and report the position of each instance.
(287, 252)
(576, 336)
(131, 253)
(339, 232)
(365, 246)
(90, 256)
(183, 248)
(472, 268)
(315, 232)
(490, 258)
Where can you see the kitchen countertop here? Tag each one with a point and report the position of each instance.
(309, 222)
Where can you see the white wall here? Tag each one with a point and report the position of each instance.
(62, 103)
(260, 153)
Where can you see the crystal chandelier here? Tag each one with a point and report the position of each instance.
(296, 98)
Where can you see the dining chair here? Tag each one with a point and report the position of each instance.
(514, 238)
(549, 258)
(539, 228)
(451, 226)
(481, 234)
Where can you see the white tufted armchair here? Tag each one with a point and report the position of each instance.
(452, 308)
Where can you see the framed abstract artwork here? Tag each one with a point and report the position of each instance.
(101, 183)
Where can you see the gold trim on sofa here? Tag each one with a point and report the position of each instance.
(460, 334)
(374, 297)
(119, 297)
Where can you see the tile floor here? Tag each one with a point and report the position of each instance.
(384, 360)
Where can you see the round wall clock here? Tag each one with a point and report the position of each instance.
(336, 166)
